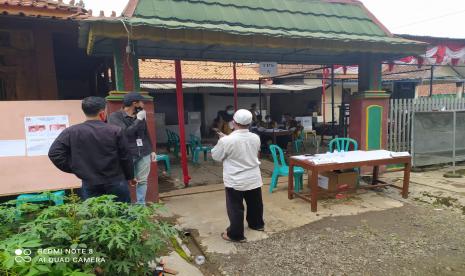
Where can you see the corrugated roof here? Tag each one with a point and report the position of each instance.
(344, 20)
(287, 31)
(249, 86)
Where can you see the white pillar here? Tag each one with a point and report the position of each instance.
(459, 86)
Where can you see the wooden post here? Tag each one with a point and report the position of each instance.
(182, 131)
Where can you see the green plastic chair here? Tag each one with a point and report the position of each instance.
(342, 144)
(299, 142)
(282, 169)
(173, 141)
(196, 147)
(166, 159)
(57, 198)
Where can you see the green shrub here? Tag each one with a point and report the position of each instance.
(97, 236)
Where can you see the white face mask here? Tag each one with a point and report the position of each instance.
(230, 112)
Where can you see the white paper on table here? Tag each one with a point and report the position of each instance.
(353, 156)
(319, 161)
(9, 148)
(301, 157)
(400, 154)
(377, 154)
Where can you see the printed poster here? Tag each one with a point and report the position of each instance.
(41, 131)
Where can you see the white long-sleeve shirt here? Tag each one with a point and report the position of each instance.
(239, 154)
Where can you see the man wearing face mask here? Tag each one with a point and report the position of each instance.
(254, 111)
(225, 118)
(95, 152)
(131, 118)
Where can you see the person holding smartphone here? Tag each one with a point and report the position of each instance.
(132, 119)
(241, 176)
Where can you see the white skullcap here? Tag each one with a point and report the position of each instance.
(243, 117)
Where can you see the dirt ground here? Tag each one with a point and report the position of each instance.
(416, 239)
(426, 236)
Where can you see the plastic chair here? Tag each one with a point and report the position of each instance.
(342, 144)
(57, 197)
(172, 141)
(282, 169)
(165, 158)
(197, 147)
(312, 135)
(299, 142)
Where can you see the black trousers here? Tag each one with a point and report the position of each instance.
(119, 188)
(235, 208)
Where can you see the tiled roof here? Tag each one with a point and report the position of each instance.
(42, 8)
(205, 70)
(438, 89)
(196, 70)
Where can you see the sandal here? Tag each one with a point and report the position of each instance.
(225, 237)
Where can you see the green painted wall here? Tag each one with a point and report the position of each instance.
(374, 127)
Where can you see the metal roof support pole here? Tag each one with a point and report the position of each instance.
(431, 81)
(260, 96)
(332, 100)
(323, 95)
(235, 86)
(182, 131)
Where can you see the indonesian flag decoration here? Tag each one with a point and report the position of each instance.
(441, 54)
(453, 54)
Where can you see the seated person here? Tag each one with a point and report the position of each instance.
(259, 122)
(269, 123)
(289, 124)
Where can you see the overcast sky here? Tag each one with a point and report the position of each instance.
(418, 17)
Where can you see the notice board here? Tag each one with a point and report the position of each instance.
(25, 130)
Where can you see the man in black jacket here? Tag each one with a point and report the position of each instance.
(131, 118)
(96, 152)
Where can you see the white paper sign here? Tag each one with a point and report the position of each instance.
(268, 68)
(9, 148)
(306, 122)
(41, 131)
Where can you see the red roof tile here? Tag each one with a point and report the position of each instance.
(197, 70)
(438, 89)
(42, 8)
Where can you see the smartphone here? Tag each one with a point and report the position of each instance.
(218, 132)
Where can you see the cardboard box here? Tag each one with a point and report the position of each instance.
(333, 180)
